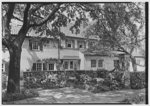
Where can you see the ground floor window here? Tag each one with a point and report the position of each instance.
(51, 66)
(66, 65)
(116, 63)
(44, 66)
(100, 63)
(93, 63)
(71, 64)
(37, 67)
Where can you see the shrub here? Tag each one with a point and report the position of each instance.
(25, 93)
(137, 80)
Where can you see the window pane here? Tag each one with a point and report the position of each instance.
(51, 66)
(71, 64)
(35, 45)
(44, 66)
(93, 63)
(66, 65)
(69, 45)
(100, 63)
(39, 66)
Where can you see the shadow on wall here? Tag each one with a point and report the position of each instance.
(28, 61)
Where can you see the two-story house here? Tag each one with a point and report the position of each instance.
(42, 54)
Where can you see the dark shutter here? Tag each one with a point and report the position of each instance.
(30, 44)
(34, 67)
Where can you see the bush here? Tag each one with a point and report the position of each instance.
(77, 79)
(137, 80)
(25, 93)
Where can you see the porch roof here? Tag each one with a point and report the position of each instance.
(70, 58)
(102, 53)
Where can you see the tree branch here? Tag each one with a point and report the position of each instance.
(9, 14)
(50, 17)
(17, 18)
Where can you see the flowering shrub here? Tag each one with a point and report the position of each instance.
(93, 81)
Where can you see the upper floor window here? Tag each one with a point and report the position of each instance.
(93, 63)
(35, 45)
(69, 43)
(81, 44)
(100, 63)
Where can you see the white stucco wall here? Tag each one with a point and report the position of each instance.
(108, 62)
(28, 57)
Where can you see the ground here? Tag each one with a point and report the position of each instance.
(71, 95)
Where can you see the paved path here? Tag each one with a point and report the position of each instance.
(70, 95)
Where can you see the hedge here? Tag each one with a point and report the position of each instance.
(94, 81)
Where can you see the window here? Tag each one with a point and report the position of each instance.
(39, 66)
(93, 63)
(44, 66)
(66, 65)
(71, 64)
(51, 66)
(69, 43)
(116, 63)
(3, 67)
(35, 45)
(81, 44)
(100, 63)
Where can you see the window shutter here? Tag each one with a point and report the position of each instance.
(30, 44)
(41, 45)
(84, 45)
(73, 43)
(66, 43)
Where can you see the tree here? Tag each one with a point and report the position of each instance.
(119, 27)
(41, 17)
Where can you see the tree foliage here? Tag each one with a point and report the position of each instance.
(120, 26)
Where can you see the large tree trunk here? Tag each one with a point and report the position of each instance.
(14, 70)
(133, 61)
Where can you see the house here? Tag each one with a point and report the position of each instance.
(42, 54)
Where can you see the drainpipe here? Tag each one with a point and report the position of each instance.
(59, 51)
(58, 54)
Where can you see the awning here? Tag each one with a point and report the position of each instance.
(70, 58)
